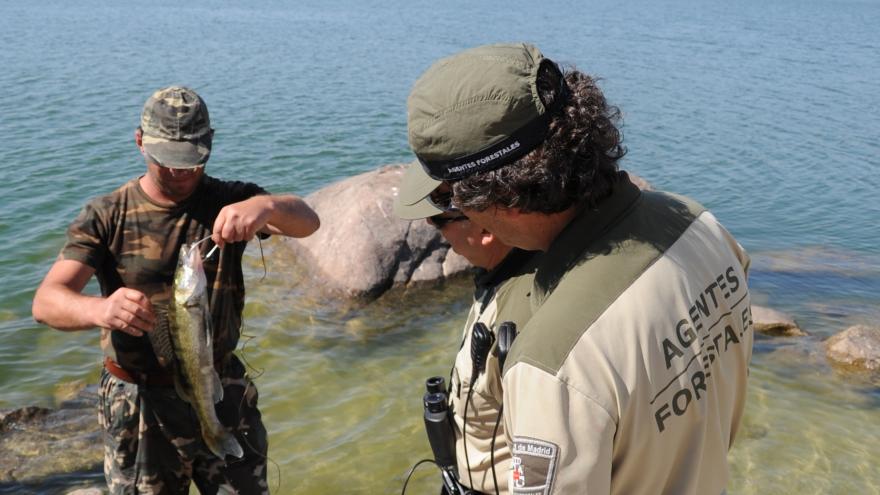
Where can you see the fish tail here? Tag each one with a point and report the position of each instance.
(224, 444)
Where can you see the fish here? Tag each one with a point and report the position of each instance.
(189, 324)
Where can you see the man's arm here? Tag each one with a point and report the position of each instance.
(560, 440)
(286, 215)
(59, 303)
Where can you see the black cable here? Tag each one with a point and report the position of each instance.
(492, 447)
(481, 344)
(263, 258)
(413, 470)
(449, 385)
(464, 435)
(506, 336)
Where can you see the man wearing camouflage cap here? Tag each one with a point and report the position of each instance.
(630, 376)
(130, 240)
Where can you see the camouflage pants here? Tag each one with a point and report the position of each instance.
(152, 441)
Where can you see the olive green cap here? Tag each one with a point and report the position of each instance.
(477, 110)
(176, 128)
(412, 201)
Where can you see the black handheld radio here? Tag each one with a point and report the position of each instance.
(481, 341)
(506, 336)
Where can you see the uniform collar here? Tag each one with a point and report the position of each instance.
(514, 264)
(508, 267)
(573, 243)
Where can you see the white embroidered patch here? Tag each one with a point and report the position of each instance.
(533, 466)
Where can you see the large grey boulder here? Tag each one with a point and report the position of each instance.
(362, 249)
(774, 323)
(857, 347)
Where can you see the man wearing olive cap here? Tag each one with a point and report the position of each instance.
(130, 239)
(501, 285)
(630, 376)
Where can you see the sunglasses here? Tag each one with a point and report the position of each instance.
(439, 221)
(442, 200)
(187, 170)
(183, 170)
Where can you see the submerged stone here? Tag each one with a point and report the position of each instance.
(857, 347)
(36, 442)
(775, 323)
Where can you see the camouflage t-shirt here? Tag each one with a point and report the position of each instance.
(132, 241)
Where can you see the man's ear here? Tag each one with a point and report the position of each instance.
(139, 139)
(486, 238)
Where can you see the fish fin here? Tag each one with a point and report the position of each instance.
(218, 388)
(182, 390)
(160, 338)
(209, 329)
(209, 343)
(224, 444)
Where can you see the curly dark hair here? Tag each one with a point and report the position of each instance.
(576, 164)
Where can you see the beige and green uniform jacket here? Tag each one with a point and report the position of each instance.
(630, 377)
(501, 294)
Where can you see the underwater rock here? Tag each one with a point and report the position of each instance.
(362, 248)
(856, 347)
(774, 323)
(36, 442)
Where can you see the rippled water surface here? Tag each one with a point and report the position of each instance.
(766, 112)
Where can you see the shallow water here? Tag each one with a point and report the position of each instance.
(766, 112)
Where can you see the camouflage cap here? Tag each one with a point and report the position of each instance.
(477, 110)
(413, 198)
(176, 128)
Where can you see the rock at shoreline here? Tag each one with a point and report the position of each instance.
(774, 323)
(362, 249)
(857, 347)
(36, 442)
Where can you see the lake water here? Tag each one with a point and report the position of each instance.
(767, 112)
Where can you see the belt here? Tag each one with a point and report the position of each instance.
(154, 379)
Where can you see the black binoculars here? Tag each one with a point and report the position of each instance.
(438, 426)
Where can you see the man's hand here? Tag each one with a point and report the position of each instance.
(59, 303)
(241, 221)
(284, 215)
(126, 310)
